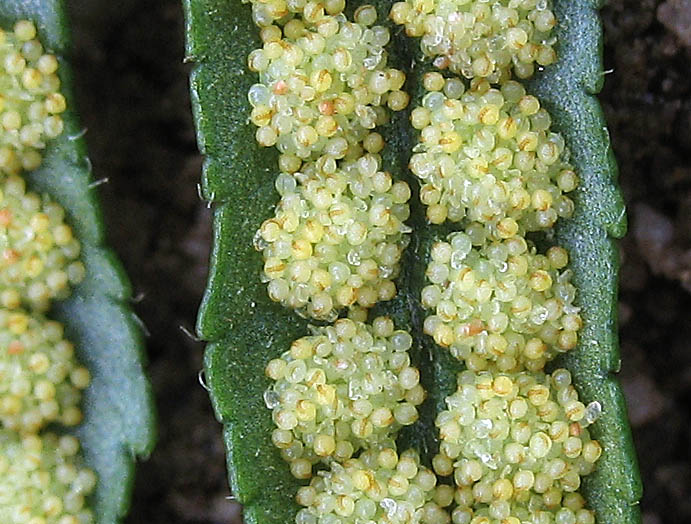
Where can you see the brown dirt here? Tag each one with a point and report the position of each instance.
(132, 89)
(648, 107)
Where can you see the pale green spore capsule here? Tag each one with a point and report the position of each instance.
(476, 38)
(345, 388)
(38, 252)
(43, 480)
(336, 238)
(490, 157)
(500, 303)
(30, 101)
(378, 486)
(40, 378)
(267, 12)
(515, 449)
(323, 88)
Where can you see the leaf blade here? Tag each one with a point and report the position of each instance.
(567, 90)
(119, 422)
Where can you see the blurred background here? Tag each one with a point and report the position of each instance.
(133, 98)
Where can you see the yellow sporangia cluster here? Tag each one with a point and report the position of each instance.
(38, 252)
(378, 487)
(42, 479)
(488, 155)
(40, 380)
(349, 386)
(338, 233)
(30, 99)
(500, 303)
(336, 239)
(322, 87)
(517, 446)
(479, 38)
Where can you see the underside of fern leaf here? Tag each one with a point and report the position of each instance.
(245, 329)
(118, 421)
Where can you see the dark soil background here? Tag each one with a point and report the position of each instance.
(133, 97)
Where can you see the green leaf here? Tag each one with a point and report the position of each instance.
(245, 329)
(119, 422)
